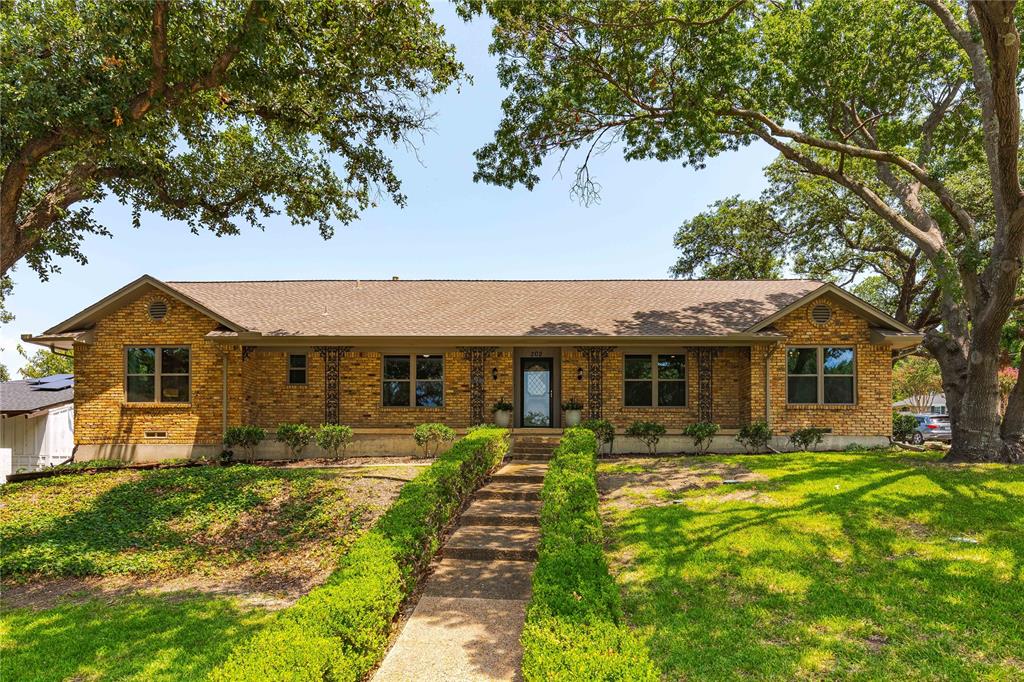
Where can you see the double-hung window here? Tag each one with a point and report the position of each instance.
(413, 381)
(655, 380)
(157, 374)
(298, 366)
(820, 375)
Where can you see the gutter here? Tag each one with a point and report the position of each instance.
(768, 383)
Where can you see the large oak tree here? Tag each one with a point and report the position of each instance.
(892, 101)
(208, 112)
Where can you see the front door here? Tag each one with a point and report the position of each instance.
(537, 392)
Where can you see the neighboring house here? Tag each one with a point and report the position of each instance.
(163, 367)
(36, 423)
(932, 403)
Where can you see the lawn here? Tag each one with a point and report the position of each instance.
(157, 574)
(821, 565)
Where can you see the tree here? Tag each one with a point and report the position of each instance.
(5, 374)
(738, 239)
(917, 378)
(895, 103)
(209, 113)
(43, 363)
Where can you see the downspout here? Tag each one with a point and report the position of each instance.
(224, 394)
(768, 383)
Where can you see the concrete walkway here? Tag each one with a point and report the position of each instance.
(467, 623)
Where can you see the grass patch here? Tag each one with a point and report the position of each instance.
(837, 565)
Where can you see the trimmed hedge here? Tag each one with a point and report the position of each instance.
(574, 627)
(339, 631)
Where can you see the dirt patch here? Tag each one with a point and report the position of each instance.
(273, 579)
(658, 480)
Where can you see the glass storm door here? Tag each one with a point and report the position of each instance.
(537, 392)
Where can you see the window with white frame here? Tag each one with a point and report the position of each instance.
(157, 374)
(820, 375)
(298, 366)
(413, 381)
(654, 380)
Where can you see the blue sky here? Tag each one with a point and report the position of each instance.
(451, 227)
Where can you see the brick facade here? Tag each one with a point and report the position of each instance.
(259, 392)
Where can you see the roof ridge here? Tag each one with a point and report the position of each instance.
(622, 279)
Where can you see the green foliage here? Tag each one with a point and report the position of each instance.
(44, 363)
(755, 436)
(903, 426)
(702, 433)
(236, 112)
(574, 627)
(572, 404)
(603, 429)
(247, 437)
(501, 405)
(648, 433)
(334, 438)
(916, 377)
(340, 631)
(296, 437)
(736, 239)
(5, 374)
(431, 436)
(807, 439)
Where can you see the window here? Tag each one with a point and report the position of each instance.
(297, 367)
(655, 380)
(413, 381)
(157, 374)
(820, 375)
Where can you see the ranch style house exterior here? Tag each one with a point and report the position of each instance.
(163, 368)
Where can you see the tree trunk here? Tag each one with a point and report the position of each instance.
(976, 435)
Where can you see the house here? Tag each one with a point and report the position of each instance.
(930, 403)
(162, 368)
(36, 423)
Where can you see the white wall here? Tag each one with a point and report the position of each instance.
(41, 441)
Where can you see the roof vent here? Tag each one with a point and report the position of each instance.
(394, 278)
(158, 310)
(821, 313)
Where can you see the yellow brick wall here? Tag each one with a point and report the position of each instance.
(731, 377)
(269, 398)
(872, 413)
(102, 414)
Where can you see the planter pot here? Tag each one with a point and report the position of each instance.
(572, 417)
(502, 418)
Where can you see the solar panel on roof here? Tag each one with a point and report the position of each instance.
(55, 385)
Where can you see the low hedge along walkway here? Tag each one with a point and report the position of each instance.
(339, 631)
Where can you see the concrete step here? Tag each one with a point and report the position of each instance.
(480, 579)
(486, 543)
(504, 490)
(523, 473)
(527, 457)
(502, 513)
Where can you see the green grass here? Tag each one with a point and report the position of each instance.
(833, 565)
(168, 519)
(144, 638)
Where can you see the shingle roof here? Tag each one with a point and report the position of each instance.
(518, 308)
(29, 395)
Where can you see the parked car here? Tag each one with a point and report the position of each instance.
(931, 427)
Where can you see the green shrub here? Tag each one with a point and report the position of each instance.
(502, 405)
(334, 438)
(574, 628)
(755, 436)
(246, 438)
(703, 434)
(903, 426)
(807, 439)
(339, 631)
(431, 436)
(572, 404)
(648, 433)
(603, 429)
(295, 437)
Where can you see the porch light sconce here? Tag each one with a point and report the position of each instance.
(494, 373)
(579, 374)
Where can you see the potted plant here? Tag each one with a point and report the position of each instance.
(502, 410)
(573, 411)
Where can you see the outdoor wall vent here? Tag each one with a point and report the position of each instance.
(156, 434)
(158, 310)
(821, 314)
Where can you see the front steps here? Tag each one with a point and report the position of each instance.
(532, 448)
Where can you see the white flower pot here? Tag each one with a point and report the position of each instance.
(573, 417)
(502, 418)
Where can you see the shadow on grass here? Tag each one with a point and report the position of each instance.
(171, 637)
(153, 522)
(844, 566)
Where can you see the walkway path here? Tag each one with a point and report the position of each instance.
(467, 623)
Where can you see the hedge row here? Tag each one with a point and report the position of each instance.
(574, 627)
(339, 631)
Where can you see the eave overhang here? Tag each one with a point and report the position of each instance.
(63, 341)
